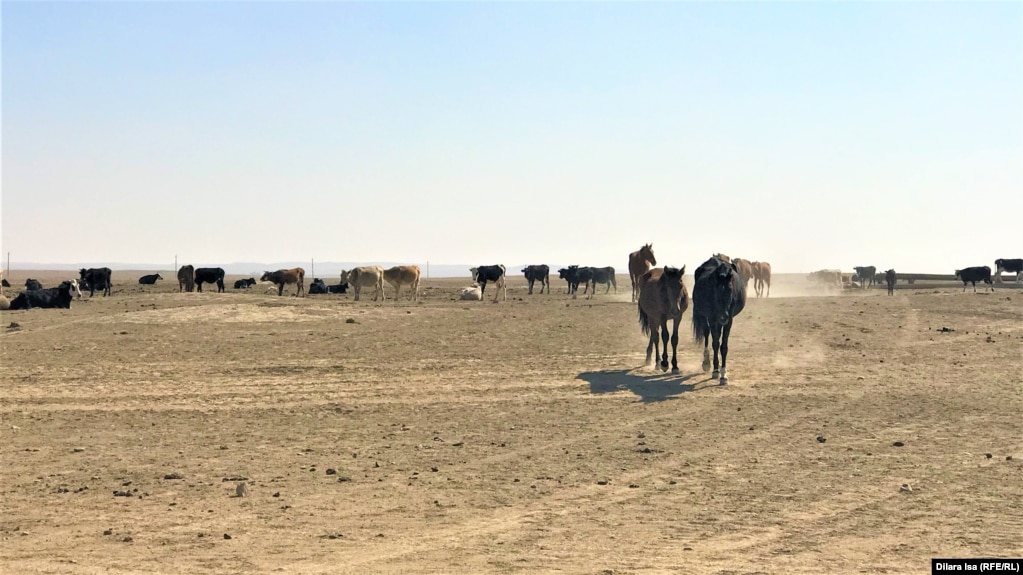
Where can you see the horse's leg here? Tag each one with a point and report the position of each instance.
(706, 352)
(716, 334)
(664, 341)
(674, 344)
(650, 345)
(655, 340)
(724, 351)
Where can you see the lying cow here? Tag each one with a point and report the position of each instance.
(471, 294)
(95, 279)
(974, 275)
(245, 283)
(58, 297)
(150, 279)
(318, 286)
(339, 288)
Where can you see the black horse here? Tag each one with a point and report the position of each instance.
(719, 294)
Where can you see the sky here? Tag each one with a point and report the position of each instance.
(806, 134)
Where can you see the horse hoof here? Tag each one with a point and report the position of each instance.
(706, 366)
(674, 369)
(723, 381)
(715, 374)
(664, 367)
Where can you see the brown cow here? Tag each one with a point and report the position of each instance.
(402, 275)
(762, 278)
(283, 277)
(186, 278)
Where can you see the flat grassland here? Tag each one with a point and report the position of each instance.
(856, 434)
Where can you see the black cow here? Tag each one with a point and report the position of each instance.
(493, 274)
(1009, 265)
(975, 274)
(318, 286)
(866, 274)
(5, 283)
(576, 275)
(150, 279)
(31, 284)
(890, 278)
(604, 276)
(47, 298)
(210, 276)
(245, 283)
(339, 288)
(539, 273)
(95, 279)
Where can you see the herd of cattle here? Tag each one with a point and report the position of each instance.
(374, 277)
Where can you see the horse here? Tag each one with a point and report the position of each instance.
(662, 295)
(639, 263)
(761, 278)
(719, 295)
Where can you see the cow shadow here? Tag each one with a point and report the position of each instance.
(648, 385)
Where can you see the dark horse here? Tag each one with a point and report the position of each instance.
(639, 263)
(662, 295)
(719, 294)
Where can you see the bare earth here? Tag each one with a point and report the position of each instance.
(519, 437)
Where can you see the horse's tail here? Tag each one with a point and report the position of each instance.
(644, 320)
(701, 327)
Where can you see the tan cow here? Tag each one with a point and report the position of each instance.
(365, 276)
(829, 278)
(403, 275)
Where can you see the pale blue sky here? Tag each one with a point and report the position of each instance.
(807, 134)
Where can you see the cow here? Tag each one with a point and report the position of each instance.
(283, 277)
(31, 284)
(576, 275)
(471, 294)
(3, 282)
(150, 279)
(398, 276)
(827, 277)
(245, 283)
(209, 276)
(186, 278)
(339, 288)
(94, 278)
(365, 276)
(889, 278)
(493, 274)
(975, 274)
(762, 278)
(318, 287)
(541, 273)
(1009, 265)
(58, 297)
(745, 269)
(866, 274)
(604, 276)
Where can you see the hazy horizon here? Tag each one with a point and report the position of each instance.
(809, 135)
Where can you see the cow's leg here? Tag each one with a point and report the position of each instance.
(724, 352)
(280, 289)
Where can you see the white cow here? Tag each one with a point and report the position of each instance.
(365, 276)
(471, 294)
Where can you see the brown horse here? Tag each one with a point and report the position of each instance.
(662, 295)
(745, 269)
(761, 278)
(639, 263)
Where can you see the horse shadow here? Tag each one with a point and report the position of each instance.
(648, 386)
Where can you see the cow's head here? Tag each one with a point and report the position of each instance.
(74, 288)
(266, 277)
(345, 276)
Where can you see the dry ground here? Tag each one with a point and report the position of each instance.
(517, 437)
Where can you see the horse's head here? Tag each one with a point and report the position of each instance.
(727, 281)
(675, 290)
(647, 253)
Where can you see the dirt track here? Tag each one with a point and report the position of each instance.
(519, 437)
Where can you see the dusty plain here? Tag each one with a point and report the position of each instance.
(855, 436)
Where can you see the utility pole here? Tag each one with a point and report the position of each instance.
(312, 267)
(175, 263)
(427, 269)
